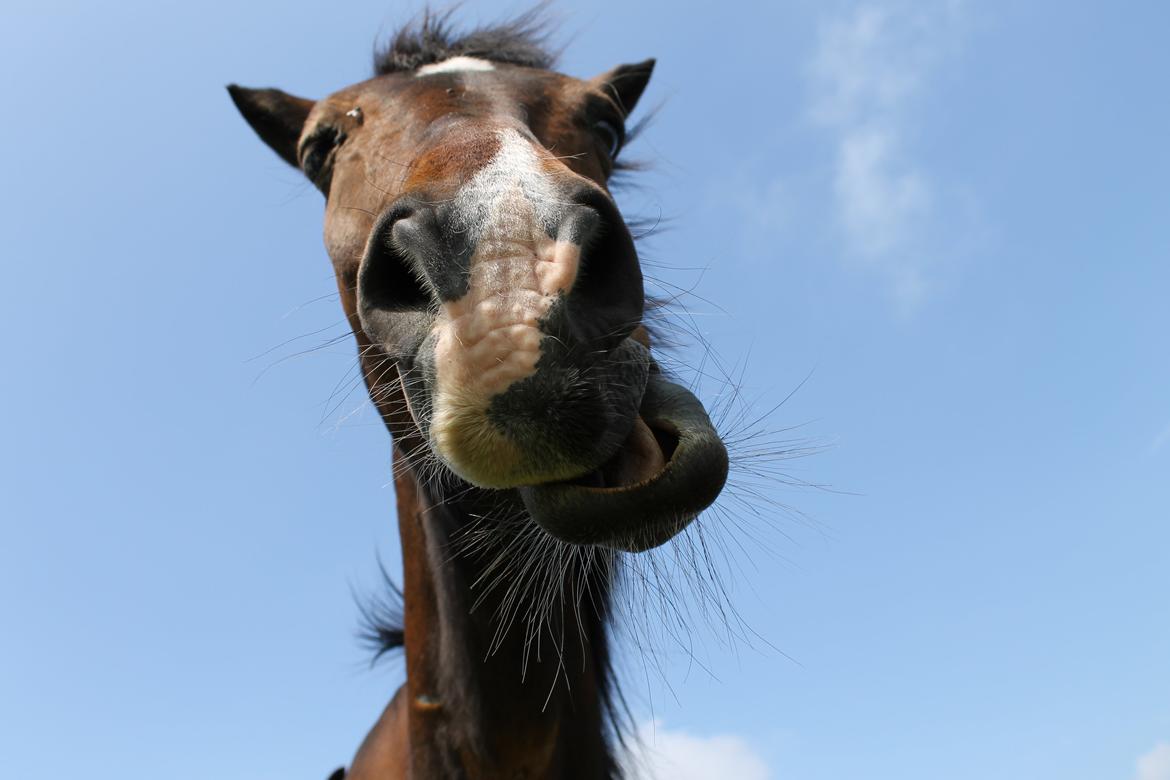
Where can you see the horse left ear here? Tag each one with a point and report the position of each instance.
(626, 83)
(277, 117)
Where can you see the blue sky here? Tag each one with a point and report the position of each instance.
(953, 218)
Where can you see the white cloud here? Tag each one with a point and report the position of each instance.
(869, 60)
(878, 197)
(1155, 765)
(666, 754)
(869, 66)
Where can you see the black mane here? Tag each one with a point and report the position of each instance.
(431, 38)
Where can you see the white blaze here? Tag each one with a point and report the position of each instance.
(490, 338)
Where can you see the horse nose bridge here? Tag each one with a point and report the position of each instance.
(521, 234)
(603, 298)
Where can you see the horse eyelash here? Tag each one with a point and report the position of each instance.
(315, 151)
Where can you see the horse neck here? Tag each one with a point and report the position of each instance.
(484, 707)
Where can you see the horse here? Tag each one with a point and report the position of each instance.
(498, 305)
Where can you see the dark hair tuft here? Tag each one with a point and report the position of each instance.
(382, 627)
(431, 38)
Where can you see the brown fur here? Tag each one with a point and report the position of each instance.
(474, 706)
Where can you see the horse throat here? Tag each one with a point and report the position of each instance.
(531, 703)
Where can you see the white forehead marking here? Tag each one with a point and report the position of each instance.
(454, 64)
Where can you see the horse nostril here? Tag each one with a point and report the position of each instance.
(607, 300)
(439, 254)
(389, 280)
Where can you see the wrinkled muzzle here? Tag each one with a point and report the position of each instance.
(510, 307)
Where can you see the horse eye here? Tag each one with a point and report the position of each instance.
(610, 137)
(315, 154)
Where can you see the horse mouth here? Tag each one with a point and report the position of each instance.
(670, 468)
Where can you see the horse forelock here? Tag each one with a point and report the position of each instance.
(431, 39)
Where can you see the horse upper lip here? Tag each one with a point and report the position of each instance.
(641, 498)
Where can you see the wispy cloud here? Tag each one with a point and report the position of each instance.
(1155, 765)
(868, 68)
(666, 754)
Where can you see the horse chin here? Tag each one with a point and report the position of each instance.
(671, 467)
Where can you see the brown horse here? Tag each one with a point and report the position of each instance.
(497, 301)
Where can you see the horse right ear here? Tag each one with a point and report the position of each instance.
(625, 83)
(277, 117)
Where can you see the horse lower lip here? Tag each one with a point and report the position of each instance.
(640, 498)
(645, 453)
